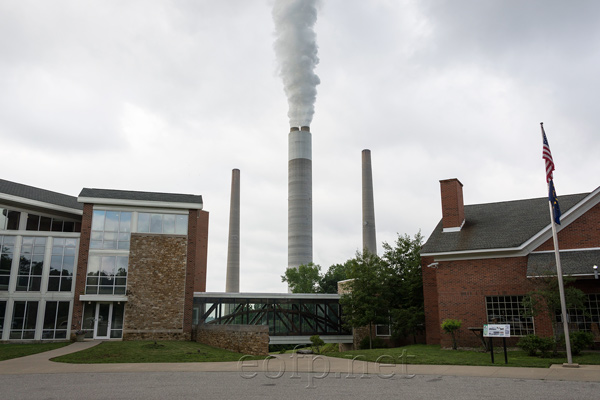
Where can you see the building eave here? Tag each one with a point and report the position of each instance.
(141, 203)
(39, 204)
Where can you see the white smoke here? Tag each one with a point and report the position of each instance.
(296, 51)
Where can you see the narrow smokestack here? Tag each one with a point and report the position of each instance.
(368, 205)
(299, 197)
(453, 207)
(232, 283)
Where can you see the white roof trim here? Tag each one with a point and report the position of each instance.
(42, 204)
(140, 203)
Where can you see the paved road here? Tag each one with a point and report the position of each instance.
(229, 385)
(287, 378)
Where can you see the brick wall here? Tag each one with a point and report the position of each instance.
(430, 296)
(462, 288)
(245, 339)
(582, 233)
(156, 292)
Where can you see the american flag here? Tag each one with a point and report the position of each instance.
(547, 156)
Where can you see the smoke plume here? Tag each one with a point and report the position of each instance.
(296, 51)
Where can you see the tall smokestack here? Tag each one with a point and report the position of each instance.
(296, 54)
(368, 205)
(299, 197)
(232, 283)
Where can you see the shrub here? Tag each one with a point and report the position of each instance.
(377, 343)
(317, 342)
(532, 343)
(581, 340)
(330, 347)
(451, 326)
(546, 344)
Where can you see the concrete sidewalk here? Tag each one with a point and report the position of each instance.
(292, 364)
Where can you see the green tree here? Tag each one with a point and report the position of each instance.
(545, 298)
(335, 273)
(365, 303)
(388, 289)
(405, 285)
(304, 279)
(450, 326)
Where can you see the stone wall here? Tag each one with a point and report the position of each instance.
(245, 339)
(156, 288)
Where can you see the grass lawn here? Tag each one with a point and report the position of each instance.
(14, 350)
(149, 352)
(434, 355)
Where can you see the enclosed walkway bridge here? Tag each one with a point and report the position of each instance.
(291, 317)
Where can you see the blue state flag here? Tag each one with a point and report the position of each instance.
(554, 201)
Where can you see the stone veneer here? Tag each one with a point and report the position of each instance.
(156, 282)
(245, 339)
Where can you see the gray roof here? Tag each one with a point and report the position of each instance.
(501, 225)
(140, 196)
(572, 263)
(41, 195)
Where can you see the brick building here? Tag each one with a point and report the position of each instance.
(117, 264)
(482, 259)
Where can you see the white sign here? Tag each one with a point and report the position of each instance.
(495, 330)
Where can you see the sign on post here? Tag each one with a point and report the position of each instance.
(497, 330)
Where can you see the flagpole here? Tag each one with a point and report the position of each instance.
(563, 303)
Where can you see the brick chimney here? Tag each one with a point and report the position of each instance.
(453, 206)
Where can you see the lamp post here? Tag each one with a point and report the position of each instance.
(595, 271)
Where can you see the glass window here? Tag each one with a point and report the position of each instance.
(162, 223)
(2, 314)
(45, 223)
(143, 222)
(56, 320)
(42, 223)
(31, 261)
(181, 224)
(110, 230)
(107, 275)
(383, 330)
(9, 220)
(62, 265)
(169, 224)
(509, 310)
(116, 329)
(33, 222)
(7, 247)
(156, 223)
(23, 320)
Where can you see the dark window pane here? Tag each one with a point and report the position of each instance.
(13, 220)
(53, 283)
(68, 226)
(35, 283)
(45, 223)
(57, 225)
(50, 315)
(66, 283)
(33, 222)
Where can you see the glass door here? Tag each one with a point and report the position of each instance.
(102, 320)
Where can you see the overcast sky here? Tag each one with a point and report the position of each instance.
(170, 96)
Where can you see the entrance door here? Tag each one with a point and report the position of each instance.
(102, 320)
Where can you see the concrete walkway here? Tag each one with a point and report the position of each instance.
(291, 364)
